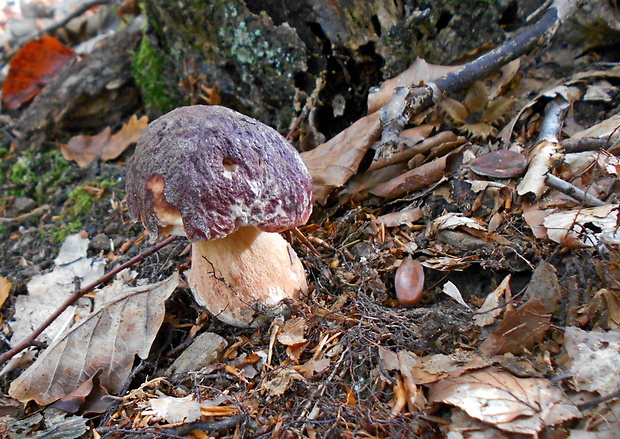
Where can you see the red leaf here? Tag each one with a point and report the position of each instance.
(36, 64)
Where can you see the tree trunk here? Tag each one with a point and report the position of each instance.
(266, 58)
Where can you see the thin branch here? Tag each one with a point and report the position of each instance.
(572, 191)
(414, 100)
(31, 340)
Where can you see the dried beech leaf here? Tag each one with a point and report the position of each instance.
(477, 98)
(108, 339)
(5, 289)
(420, 72)
(293, 331)
(33, 67)
(595, 359)
(455, 110)
(498, 109)
(521, 329)
(452, 290)
(419, 178)
(575, 227)
(533, 184)
(85, 149)
(491, 308)
(332, 163)
(502, 163)
(517, 405)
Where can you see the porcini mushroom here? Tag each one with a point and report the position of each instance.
(230, 184)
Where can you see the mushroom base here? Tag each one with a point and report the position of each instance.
(245, 274)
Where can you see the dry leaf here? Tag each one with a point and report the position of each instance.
(419, 178)
(521, 329)
(517, 405)
(332, 163)
(491, 308)
(576, 226)
(5, 289)
(174, 410)
(595, 359)
(533, 183)
(47, 291)
(293, 331)
(85, 149)
(33, 67)
(280, 381)
(451, 290)
(108, 339)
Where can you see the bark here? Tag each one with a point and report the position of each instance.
(267, 57)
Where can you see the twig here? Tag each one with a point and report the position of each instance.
(572, 191)
(402, 108)
(22, 217)
(31, 340)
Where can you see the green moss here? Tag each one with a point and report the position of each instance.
(34, 175)
(148, 72)
(79, 203)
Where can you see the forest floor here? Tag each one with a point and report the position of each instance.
(515, 335)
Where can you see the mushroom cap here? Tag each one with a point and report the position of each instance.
(204, 171)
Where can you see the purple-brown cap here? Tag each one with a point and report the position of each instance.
(205, 171)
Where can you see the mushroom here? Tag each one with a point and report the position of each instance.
(229, 183)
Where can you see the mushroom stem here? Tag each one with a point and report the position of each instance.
(245, 273)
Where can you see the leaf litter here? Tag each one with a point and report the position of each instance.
(350, 353)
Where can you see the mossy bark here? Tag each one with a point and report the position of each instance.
(266, 57)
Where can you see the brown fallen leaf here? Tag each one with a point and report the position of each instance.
(105, 145)
(108, 339)
(521, 329)
(332, 163)
(5, 289)
(517, 405)
(418, 178)
(33, 67)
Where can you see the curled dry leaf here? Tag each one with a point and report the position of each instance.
(108, 339)
(452, 290)
(574, 228)
(5, 289)
(491, 308)
(409, 282)
(332, 163)
(33, 67)
(503, 163)
(419, 178)
(517, 405)
(533, 183)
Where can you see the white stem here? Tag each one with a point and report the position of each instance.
(246, 272)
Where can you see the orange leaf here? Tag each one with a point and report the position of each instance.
(35, 65)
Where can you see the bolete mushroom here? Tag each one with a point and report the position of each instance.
(230, 184)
